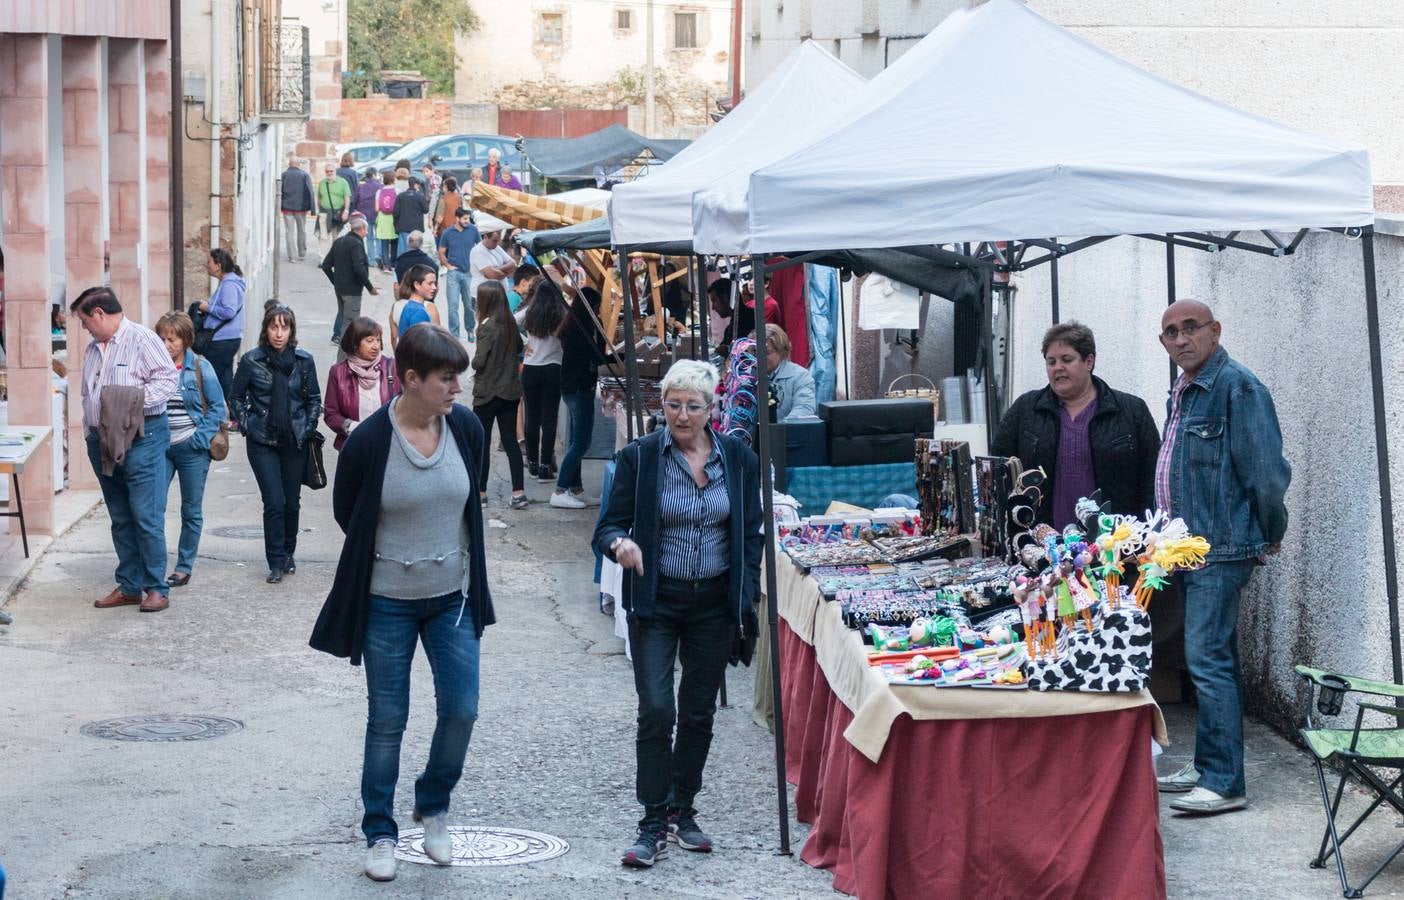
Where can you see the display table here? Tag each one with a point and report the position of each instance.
(816, 486)
(958, 792)
(18, 444)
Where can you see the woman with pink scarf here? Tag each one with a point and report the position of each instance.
(362, 382)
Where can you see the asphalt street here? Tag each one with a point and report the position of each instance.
(273, 810)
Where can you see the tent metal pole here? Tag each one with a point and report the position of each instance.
(704, 306)
(1053, 286)
(843, 338)
(631, 362)
(987, 342)
(772, 592)
(1372, 330)
(1170, 289)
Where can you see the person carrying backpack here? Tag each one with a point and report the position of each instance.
(385, 221)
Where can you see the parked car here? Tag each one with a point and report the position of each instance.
(366, 151)
(456, 155)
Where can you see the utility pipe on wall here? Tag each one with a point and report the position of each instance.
(213, 87)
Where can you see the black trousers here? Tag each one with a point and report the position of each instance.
(504, 412)
(278, 471)
(541, 385)
(692, 622)
(221, 355)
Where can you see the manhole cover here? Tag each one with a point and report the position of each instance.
(239, 532)
(482, 846)
(162, 729)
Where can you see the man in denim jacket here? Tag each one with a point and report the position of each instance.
(1220, 469)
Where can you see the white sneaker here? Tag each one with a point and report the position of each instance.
(380, 860)
(1205, 802)
(585, 498)
(438, 843)
(1179, 782)
(562, 500)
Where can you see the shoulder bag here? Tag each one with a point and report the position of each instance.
(314, 467)
(219, 444)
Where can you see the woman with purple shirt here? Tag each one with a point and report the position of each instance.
(1085, 435)
(363, 202)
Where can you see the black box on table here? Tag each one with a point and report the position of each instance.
(872, 432)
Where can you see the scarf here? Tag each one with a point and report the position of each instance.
(280, 401)
(367, 374)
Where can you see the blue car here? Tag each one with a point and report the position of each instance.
(456, 155)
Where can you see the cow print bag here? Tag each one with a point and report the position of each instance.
(1114, 658)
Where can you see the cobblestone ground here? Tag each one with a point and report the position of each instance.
(274, 810)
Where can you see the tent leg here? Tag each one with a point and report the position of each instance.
(1372, 328)
(632, 393)
(1053, 286)
(1170, 290)
(771, 589)
(704, 306)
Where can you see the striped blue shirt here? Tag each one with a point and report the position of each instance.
(694, 541)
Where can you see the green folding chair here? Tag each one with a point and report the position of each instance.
(1359, 752)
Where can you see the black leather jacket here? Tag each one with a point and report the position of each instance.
(1122, 435)
(253, 388)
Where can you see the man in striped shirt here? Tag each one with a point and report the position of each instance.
(125, 354)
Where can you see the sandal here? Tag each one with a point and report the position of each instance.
(178, 579)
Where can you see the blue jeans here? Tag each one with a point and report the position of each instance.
(457, 282)
(372, 247)
(193, 467)
(581, 405)
(391, 633)
(135, 494)
(1211, 653)
(278, 471)
(401, 244)
(692, 624)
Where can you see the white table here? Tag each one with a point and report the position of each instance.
(18, 444)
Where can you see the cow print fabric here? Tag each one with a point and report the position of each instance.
(1114, 658)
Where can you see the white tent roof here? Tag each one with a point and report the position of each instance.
(1002, 125)
(773, 120)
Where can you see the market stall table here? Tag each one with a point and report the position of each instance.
(961, 792)
(18, 443)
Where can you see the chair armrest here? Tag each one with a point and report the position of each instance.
(1396, 711)
(1354, 683)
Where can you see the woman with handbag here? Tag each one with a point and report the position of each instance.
(362, 382)
(497, 385)
(277, 401)
(198, 433)
(223, 325)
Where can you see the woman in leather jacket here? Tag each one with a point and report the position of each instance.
(277, 401)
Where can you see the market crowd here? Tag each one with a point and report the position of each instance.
(683, 517)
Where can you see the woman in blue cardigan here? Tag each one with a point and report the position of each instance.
(412, 568)
(684, 520)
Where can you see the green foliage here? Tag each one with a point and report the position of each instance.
(404, 34)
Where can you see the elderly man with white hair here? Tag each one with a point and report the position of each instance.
(684, 522)
(414, 255)
(297, 204)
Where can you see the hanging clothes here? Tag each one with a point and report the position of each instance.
(822, 286)
(787, 287)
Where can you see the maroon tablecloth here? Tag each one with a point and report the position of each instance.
(1057, 807)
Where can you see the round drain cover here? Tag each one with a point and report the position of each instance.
(163, 729)
(485, 846)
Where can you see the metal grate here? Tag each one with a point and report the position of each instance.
(289, 73)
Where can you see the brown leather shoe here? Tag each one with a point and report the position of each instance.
(155, 602)
(116, 598)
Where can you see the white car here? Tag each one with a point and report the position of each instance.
(366, 152)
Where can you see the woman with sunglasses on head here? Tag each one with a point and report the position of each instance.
(1084, 435)
(684, 521)
(277, 400)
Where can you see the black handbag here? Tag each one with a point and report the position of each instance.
(203, 333)
(314, 467)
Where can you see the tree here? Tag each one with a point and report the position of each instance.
(404, 34)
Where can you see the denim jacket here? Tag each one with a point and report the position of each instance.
(206, 422)
(1228, 477)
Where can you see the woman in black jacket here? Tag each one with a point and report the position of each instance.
(277, 402)
(684, 521)
(582, 353)
(412, 569)
(1083, 434)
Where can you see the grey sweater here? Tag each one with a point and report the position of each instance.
(421, 540)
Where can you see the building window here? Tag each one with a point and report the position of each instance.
(685, 30)
(552, 28)
(623, 20)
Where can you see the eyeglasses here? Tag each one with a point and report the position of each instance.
(1189, 329)
(693, 409)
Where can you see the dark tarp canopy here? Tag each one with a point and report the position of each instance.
(957, 283)
(604, 151)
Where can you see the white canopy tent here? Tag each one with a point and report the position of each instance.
(1104, 148)
(773, 120)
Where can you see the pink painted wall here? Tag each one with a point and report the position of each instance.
(113, 18)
